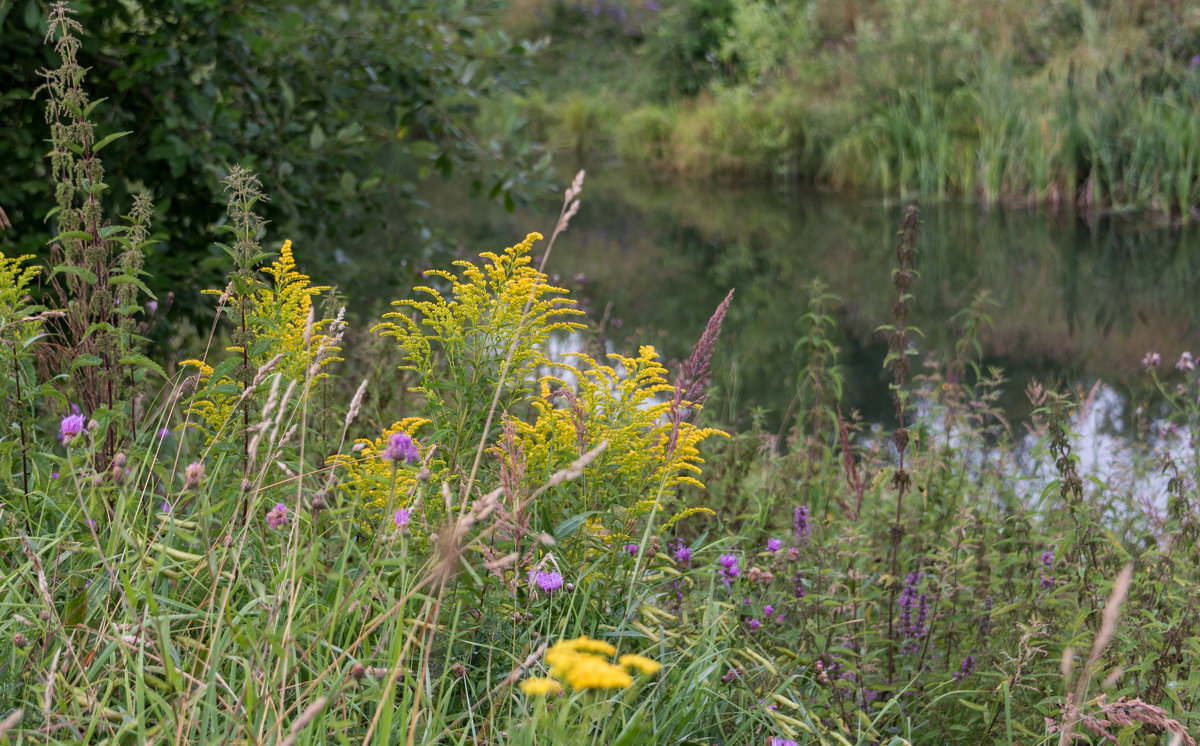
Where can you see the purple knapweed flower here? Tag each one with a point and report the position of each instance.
(163, 432)
(753, 624)
(278, 516)
(549, 582)
(403, 515)
(683, 554)
(632, 549)
(768, 610)
(774, 545)
(400, 447)
(780, 741)
(729, 567)
(54, 475)
(1151, 360)
(71, 426)
(801, 524)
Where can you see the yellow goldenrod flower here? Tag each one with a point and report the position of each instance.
(641, 663)
(540, 687)
(590, 672)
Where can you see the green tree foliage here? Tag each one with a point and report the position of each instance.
(341, 107)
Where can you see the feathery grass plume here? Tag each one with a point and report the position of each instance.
(692, 381)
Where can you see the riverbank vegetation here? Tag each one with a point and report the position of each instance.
(1070, 102)
(428, 530)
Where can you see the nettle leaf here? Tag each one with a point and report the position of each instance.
(114, 136)
(131, 280)
(78, 235)
(143, 362)
(87, 359)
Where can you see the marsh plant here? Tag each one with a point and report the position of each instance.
(491, 545)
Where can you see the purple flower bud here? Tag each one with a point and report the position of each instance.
(800, 524)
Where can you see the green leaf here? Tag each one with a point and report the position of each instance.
(131, 280)
(81, 235)
(69, 269)
(142, 361)
(85, 360)
(568, 526)
(316, 138)
(114, 136)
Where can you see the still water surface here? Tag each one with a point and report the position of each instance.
(1077, 299)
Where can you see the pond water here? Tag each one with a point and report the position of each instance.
(1077, 300)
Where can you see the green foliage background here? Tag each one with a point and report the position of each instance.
(341, 107)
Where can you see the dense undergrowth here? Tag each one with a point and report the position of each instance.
(1063, 102)
(480, 544)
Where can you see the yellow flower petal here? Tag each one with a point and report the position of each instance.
(641, 663)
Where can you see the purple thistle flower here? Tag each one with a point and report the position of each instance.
(800, 524)
(402, 518)
(729, 567)
(780, 741)
(549, 582)
(774, 545)
(682, 554)
(632, 549)
(71, 426)
(277, 517)
(1186, 361)
(753, 624)
(400, 447)
(768, 610)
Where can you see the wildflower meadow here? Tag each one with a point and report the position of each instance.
(426, 528)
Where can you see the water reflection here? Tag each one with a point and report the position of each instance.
(1077, 301)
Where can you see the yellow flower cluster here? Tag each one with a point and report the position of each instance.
(277, 321)
(281, 312)
(581, 664)
(14, 284)
(627, 404)
(470, 330)
(367, 478)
